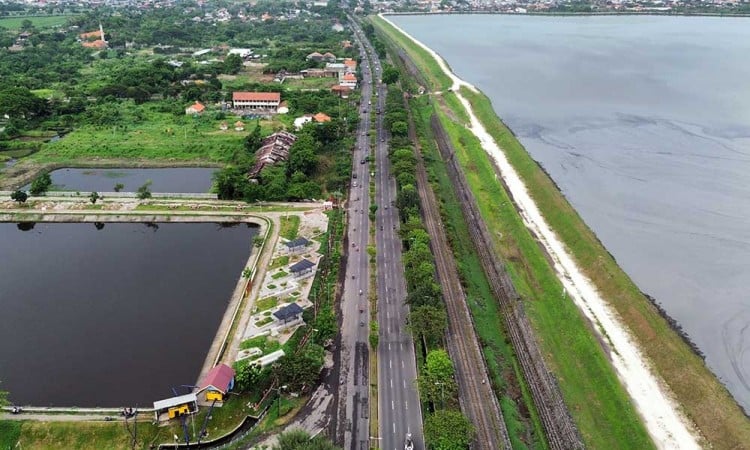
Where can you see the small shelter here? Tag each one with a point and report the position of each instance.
(215, 385)
(239, 126)
(195, 108)
(302, 268)
(297, 245)
(288, 313)
(176, 406)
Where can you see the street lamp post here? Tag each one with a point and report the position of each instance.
(442, 396)
(278, 400)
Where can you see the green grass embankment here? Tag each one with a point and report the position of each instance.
(596, 399)
(15, 23)
(436, 78)
(703, 399)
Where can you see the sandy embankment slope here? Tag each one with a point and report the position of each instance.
(666, 425)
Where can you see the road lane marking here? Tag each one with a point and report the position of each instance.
(390, 363)
(393, 405)
(391, 383)
(402, 364)
(406, 402)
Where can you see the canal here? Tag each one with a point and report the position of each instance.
(112, 314)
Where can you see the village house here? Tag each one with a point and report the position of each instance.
(349, 80)
(320, 117)
(351, 65)
(215, 385)
(256, 100)
(195, 108)
(314, 56)
(295, 246)
(273, 149)
(283, 107)
(341, 91)
(302, 269)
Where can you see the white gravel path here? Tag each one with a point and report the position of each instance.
(668, 427)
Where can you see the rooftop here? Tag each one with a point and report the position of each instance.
(219, 377)
(175, 401)
(302, 265)
(257, 96)
(288, 311)
(297, 242)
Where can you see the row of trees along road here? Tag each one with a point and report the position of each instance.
(445, 428)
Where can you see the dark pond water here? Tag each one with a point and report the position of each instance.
(188, 179)
(113, 316)
(644, 123)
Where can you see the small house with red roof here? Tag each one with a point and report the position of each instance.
(341, 91)
(349, 80)
(215, 385)
(195, 108)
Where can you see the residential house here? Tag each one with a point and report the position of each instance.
(256, 100)
(289, 313)
(296, 246)
(321, 117)
(349, 80)
(299, 122)
(195, 108)
(341, 91)
(329, 57)
(215, 385)
(351, 65)
(302, 269)
(314, 56)
(283, 107)
(273, 149)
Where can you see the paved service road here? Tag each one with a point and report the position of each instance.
(354, 409)
(399, 409)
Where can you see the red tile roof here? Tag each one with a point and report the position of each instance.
(256, 96)
(350, 62)
(322, 117)
(349, 77)
(340, 88)
(198, 106)
(219, 377)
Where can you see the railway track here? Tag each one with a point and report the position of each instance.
(559, 428)
(475, 394)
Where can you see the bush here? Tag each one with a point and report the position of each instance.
(41, 184)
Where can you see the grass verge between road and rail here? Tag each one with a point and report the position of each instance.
(703, 399)
(520, 416)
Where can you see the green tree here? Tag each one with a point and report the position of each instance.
(428, 323)
(297, 370)
(254, 139)
(303, 155)
(118, 187)
(232, 64)
(436, 380)
(390, 74)
(94, 197)
(246, 375)
(41, 184)
(19, 196)
(448, 430)
(144, 191)
(399, 128)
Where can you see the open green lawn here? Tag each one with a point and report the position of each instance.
(162, 136)
(311, 83)
(14, 23)
(289, 226)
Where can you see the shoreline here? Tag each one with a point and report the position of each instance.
(663, 418)
(568, 14)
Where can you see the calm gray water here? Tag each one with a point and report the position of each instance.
(172, 179)
(644, 123)
(113, 316)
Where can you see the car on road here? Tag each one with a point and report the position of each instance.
(382, 139)
(354, 176)
(362, 161)
(354, 184)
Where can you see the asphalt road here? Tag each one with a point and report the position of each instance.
(354, 375)
(399, 409)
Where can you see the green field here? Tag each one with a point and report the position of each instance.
(14, 23)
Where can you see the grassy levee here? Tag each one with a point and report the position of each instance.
(523, 424)
(703, 399)
(596, 399)
(436, 78)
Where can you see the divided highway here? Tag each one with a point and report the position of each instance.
(353, 424)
